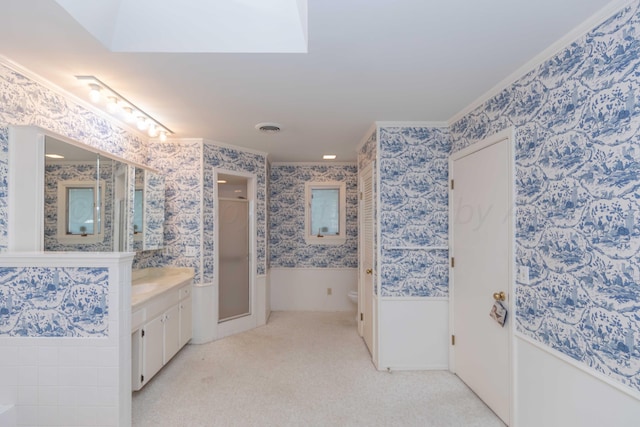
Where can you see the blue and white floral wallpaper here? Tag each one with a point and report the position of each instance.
(236, 160)
(577, 154)
(414, 172)
(60, 171)
(287, 245)
(180, 163)
(154, 209)
(368, 152)
(54, 302)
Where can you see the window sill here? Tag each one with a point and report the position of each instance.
(79, 240)
(326, 240)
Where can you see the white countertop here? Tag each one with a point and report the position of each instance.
(150, 282)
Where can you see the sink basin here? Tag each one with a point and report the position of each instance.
(143, 288)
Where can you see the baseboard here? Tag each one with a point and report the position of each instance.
(416, 368)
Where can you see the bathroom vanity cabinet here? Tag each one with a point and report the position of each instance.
(161, 324)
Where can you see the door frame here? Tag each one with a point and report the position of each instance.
(250, 321)
(508, 135)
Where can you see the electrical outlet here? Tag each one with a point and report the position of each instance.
(329, 291)
(190, 251)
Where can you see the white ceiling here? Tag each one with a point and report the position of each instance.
(367, 60)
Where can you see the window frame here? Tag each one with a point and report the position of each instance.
(63, 210)
(312, 238)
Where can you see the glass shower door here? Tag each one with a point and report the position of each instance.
(233, 248)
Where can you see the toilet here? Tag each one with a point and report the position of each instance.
(353, 296)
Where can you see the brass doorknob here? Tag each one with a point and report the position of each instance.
(369, 271)
(499, 296)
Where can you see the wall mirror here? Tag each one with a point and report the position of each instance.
(65, 197)
(85, 200)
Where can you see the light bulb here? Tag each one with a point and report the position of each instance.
(129, 117)
(94, 92)
(163, 136)
(142, 123)
(153, 130)
(112, 104)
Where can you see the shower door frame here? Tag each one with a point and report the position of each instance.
(244, 323)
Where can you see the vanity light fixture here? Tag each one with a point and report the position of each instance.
(329, 157)
(222, 181)
(54, 156)
(112, 104)
(94, 92)
(119, 106)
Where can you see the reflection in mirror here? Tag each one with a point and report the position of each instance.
(153, 216)
(84, 206)
(138, 211)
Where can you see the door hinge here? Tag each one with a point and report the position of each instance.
(361, 195)
(141, 378)
(361, 317)
(453, 340)
(453, 262)
(452, 184)
(142, 334)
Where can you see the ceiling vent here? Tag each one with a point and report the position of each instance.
(268, 127)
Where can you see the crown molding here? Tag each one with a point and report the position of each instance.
(580, 31)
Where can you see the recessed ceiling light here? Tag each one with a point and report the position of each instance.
(222, 181)
(329, 156)
(268, 127)
(54, 156)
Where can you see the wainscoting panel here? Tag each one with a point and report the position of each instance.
(305, 289)
(413, 334)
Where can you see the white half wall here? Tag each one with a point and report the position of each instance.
(413, 334)
(305, 289)
(553, 392)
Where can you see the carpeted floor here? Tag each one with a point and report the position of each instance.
(301, 369)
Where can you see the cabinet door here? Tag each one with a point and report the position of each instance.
(152, 343)
(171, 332)
(186, 321)
(136, 360)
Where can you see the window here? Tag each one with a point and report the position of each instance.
(325, 213)
(80, 218)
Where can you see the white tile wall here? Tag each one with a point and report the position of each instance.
(72, 381)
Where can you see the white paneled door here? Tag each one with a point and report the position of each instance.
(482, 239)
